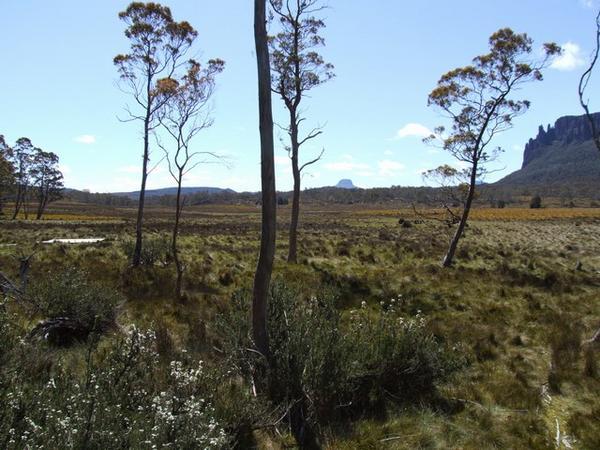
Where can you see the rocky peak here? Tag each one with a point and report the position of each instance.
(567, 129)
(345, 184)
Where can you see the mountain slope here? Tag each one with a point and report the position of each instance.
(563, 154)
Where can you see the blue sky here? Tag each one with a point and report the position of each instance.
(57, 86)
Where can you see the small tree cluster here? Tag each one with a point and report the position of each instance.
(28, 174)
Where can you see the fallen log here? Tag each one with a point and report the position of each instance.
(60, 331)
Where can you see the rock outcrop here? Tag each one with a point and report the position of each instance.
(566, 130)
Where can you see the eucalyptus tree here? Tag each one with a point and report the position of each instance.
(477, 101)
(7, 176)
(158, 45)
(296, 69)
(184, 116)
(46, 179)
(21, 160)
(264, 267)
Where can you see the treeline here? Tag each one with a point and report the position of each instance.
(492, 195)
(28, 176)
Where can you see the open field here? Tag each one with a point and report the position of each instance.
(526, 283)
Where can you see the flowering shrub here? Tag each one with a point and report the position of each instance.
(324, 367)
(123, 399)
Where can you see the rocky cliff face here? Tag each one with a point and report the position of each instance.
(566, 130)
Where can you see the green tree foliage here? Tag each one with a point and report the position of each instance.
(46, 179)
(157, 46)
(296, 69)
(535, 202)
(477, 99)
(7, 177)
(22, 160)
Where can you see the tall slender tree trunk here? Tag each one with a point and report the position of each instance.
(40, 208)
(137, 252)
(18, 200)
(178, 265)
(293, 239)
(264, 268)
(449, 258)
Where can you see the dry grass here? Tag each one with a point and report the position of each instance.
(513, 289)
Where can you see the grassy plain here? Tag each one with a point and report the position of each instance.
(523, 293)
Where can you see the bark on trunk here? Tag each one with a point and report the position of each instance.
(449, 258)
(293, 239)
(293, 248)
(18, 202)
(137, 252)
(40, 208)
(264, 268)
(174, 241)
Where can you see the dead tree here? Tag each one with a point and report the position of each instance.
(583, 84)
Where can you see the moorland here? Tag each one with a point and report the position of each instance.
(515, 307)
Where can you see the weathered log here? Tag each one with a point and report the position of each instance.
(595, 339)
(7, 286)
(60, 331)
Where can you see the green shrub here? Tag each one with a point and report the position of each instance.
(324, 368)
(71, 294)
(535, 202)
(156, 250)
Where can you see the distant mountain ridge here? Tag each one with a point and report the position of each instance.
(173, 191)
(562, 154)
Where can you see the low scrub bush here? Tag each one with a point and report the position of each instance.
(70, 294)
(155, 251)
(122, 398)
(323, 368)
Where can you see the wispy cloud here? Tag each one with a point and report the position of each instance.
(86, 139)
(346, 166)
(389, 168)
(569, 59)
(413, 130)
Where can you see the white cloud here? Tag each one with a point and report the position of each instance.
(413, 130)
(366, 173)
(588, 3)
(388, 153)
(569, 59)
(86, 139)
(388, 168)
(346, 166)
